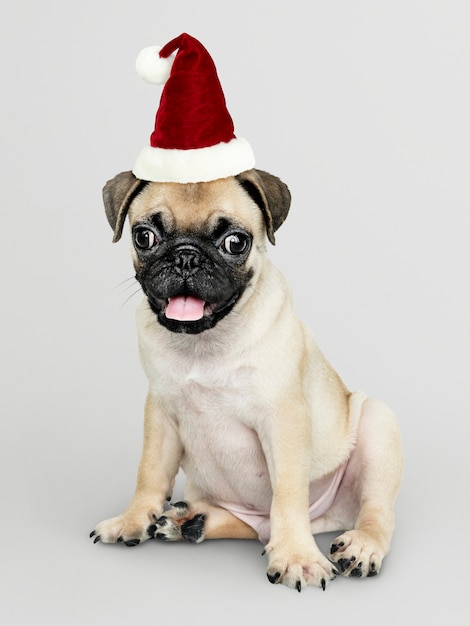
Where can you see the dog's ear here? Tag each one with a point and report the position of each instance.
(270, 194)
(118, 194)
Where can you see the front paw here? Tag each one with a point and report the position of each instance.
(129, 528)
(299, 566)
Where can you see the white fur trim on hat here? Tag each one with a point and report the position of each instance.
(152, 67)
(194, 166)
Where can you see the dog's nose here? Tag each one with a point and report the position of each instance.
(187, 261)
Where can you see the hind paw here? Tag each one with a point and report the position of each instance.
(179, 523)
(357, 554)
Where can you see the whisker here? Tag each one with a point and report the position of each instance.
(123, 283)
(139, 290)
(130, 287)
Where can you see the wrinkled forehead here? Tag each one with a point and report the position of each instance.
(192, 206)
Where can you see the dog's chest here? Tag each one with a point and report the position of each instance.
(215, 410)
(213, 398)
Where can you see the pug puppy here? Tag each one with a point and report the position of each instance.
(273, 445)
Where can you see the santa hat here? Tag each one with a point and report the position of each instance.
(193, 140)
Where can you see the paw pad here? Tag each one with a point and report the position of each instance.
(345, 564)
(193, 529)
(273, 578)
(357, 571)
(178, 523)
(336, 546)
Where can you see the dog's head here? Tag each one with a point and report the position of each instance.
(197, 246)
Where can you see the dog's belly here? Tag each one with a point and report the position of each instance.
(224, 460)
(225, 464)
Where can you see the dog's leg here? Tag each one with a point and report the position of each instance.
(158, 467)
(294, 558)
(373, 478)
(196, 521)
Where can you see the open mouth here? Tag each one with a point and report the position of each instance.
(188, 314)
(187, 309)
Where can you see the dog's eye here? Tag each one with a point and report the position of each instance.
(236, 243)
(144, 239)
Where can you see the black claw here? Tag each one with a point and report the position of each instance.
(298, 586)
(263, 553)
(323, 584)
(119, 540)
(273, 578)
(168, 499)
(151, 530)
(93, 533)
(335, 572)
(132, 542)
(162, 521)
(372, 571)
(97, 538)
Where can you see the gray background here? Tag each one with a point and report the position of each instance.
(363, 109)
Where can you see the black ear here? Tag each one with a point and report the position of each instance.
(270, 194)
(118, 194)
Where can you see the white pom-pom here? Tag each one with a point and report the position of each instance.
(152, 67)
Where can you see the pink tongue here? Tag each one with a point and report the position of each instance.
(185, 309)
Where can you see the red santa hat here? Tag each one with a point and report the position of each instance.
(193, 139)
